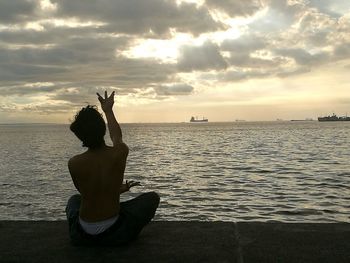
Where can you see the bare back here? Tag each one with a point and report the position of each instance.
(98, 176)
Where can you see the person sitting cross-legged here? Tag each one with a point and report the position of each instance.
(96, 216)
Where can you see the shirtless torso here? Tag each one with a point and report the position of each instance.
(98, 176)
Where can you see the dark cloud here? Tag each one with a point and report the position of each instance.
(235, 75)
(15, 11)
(283, 73)
(174, 89)
(302, 57)
(54, 108)
(247, 61)
(244, 44)
(318, 39)
(71, 51)
(286, 8)
(281, 15)
(23, 88)
(236, 7)
(334, 8)
(74, 81)
(240, 52)
(88, 58)
(342, 51)
(202, 58)
(11, 72)
(124, 73)
(77, 96)
(56, 35)
(315, 29)
(137, 17)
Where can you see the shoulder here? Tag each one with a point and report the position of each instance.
(121, 149)
(71, 161)
(74, 159)
(74, 162)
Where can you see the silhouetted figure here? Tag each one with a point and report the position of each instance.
(95, 216)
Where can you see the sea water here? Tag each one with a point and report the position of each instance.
(242, 171)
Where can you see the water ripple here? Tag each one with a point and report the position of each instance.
(286, 172)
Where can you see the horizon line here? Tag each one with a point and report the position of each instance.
(169, 122)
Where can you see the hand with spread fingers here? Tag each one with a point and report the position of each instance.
(128, 184)
(106, 102)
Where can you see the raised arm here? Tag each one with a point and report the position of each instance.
(114, 129)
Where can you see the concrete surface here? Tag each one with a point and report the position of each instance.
(48, 241)
(299, 242)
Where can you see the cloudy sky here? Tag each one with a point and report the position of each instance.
(168, 60)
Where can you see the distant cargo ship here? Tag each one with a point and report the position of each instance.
(334, 118)
(193, 119)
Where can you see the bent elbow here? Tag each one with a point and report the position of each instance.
(125, 148)
(122, 148)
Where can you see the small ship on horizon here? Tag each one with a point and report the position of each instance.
(334, 118)
(193, 119)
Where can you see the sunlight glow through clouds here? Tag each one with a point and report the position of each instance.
(73, 23)
(47, 6)
(167, 50)
(197, 2)
(163, 50)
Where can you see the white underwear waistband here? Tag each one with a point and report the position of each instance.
(96, 228)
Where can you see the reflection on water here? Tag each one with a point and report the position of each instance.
(263, 171)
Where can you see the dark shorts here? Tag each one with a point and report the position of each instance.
(133, 216)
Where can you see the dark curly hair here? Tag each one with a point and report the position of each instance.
(89, 127)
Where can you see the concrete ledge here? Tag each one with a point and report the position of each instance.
(299, 242)
(47, 241)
